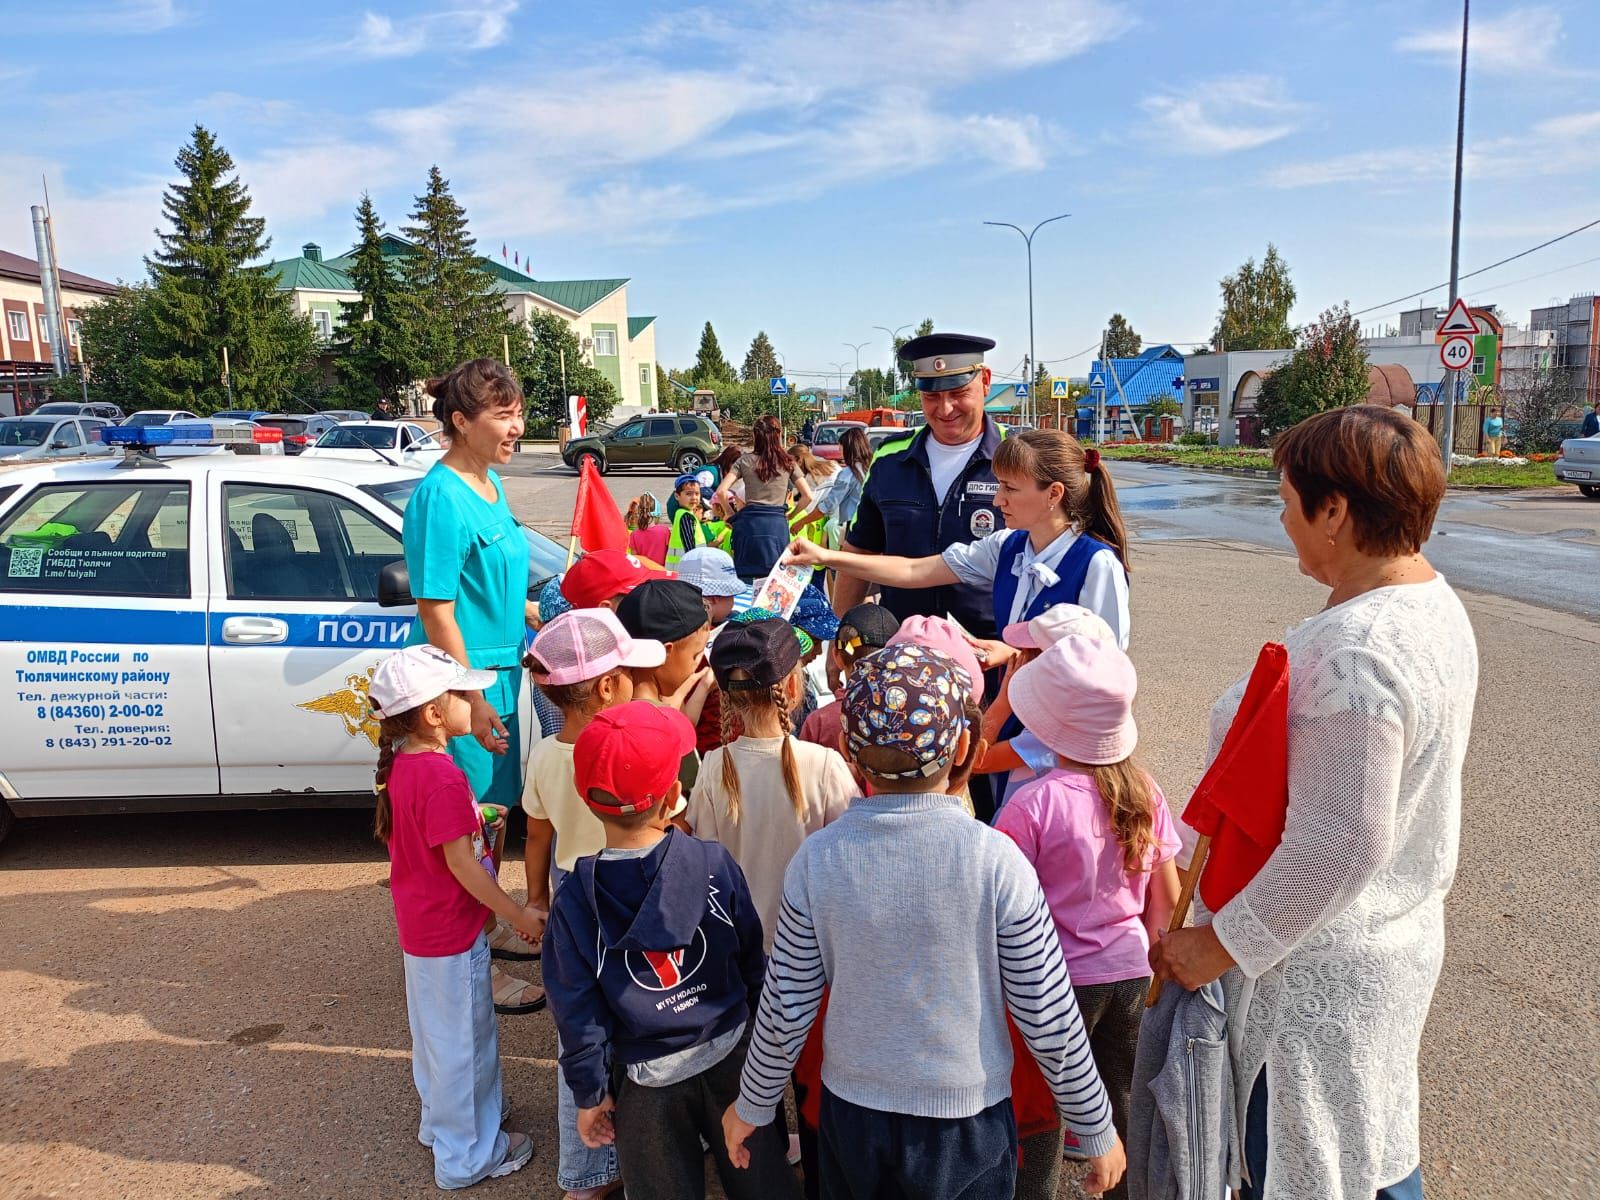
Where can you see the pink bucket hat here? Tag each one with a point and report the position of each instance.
(586, 643)
(1055, 623)
(945, 636)
(1077, 698)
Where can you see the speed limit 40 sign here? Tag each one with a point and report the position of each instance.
(1456, 353)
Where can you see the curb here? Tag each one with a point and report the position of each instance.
(1239, 472)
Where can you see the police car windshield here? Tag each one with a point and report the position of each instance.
(358, 437)
(24, 433)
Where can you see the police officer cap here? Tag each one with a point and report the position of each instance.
(942, 362)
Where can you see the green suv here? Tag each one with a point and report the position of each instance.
(682, 441)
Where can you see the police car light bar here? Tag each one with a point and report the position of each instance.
(202, 434)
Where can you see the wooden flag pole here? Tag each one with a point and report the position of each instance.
(1180, 911)
(572, 551)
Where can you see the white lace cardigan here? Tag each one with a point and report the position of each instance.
(1339, 939)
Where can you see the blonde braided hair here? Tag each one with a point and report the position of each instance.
(748, 702)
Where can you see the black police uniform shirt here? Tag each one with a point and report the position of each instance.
(900, 514)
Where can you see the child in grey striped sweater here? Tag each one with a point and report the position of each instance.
(926, 926)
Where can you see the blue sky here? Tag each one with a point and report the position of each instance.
(820, 168)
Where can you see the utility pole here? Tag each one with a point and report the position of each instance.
(856, 346)
(54, 325)
(1100, 398)
(1455, 237)
(1028, 238)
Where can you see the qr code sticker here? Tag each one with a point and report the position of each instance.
(26, 562)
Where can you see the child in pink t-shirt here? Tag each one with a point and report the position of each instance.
(442, 881)
(1099, 835)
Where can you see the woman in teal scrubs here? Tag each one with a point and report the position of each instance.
(468, 562)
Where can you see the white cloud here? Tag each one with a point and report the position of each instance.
(1518, 42)
(1222, 116)
(465, 26)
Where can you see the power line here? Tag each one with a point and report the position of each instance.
(1513, 258)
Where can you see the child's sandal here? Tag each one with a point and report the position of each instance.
(504, 943)
(513, 996)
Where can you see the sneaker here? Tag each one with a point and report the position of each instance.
(518, 1152)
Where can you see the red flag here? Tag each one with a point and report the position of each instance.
(597, 523)
(1243, 800)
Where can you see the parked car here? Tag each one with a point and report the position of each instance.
(344, 414)
(299, 433)
(681, 441)
(72, 408)
(233, 610)
(825, 441)
(33, 438)
(379, 441)
(1580, 464)
(145, 418)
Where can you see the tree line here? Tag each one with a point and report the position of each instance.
(208, 328)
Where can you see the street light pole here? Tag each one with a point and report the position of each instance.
(856, 346)
(838, 368)
(1027, 237)
(893, 333)
(1455, 237)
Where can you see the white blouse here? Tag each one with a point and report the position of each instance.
(1340, 937)
(1104, 591)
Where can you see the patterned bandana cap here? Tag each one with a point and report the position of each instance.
(551, 602)
(814, 615)
(908, 699)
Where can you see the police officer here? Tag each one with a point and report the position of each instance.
(934, 487)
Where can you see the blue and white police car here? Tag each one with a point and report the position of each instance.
(198, 631)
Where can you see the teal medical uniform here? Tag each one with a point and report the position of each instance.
(461, 547)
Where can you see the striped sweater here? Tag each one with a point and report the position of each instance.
(926, 925)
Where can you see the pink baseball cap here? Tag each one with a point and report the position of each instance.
(585, 643)
(1053, 624)
(1077, 698)
(945, 636)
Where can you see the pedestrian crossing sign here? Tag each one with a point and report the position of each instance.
(1058, 389)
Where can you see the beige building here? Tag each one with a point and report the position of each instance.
(622, 347)
(25, 334)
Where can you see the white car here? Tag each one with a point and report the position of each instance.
(199, 632)
(379, 441)
(146, 417)
(1580, 464)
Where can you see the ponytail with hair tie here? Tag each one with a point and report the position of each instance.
(1091, 459)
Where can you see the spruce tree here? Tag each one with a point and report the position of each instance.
(206, 296)
(1121, 340)
(378, 352)
(760, 361)
(448, 300)
(710, 368)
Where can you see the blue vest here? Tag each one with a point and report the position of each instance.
(1073, 569)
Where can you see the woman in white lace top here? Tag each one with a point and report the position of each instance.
(1330, 955)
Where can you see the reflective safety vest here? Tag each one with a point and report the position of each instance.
(676, 548)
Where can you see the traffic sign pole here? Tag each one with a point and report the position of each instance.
(1455, 233)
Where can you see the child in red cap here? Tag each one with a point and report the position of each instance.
(653, 962)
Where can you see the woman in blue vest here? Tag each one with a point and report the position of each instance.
(1064, 542)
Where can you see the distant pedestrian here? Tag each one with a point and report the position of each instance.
(443, 885)
(761, 527)
(1494, 427)
(647, 532)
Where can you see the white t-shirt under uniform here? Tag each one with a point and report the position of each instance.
(945, 463)
(768, 832)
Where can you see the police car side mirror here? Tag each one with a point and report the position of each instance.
(394, 585)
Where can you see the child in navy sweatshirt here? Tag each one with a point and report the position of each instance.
(653, 964)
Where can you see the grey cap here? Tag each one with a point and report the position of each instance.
(942, 362)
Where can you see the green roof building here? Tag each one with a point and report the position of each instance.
(621, 346)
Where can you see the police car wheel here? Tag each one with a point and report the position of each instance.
(599, 463)
(689, 460)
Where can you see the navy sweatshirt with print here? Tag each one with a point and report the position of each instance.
(645, 957)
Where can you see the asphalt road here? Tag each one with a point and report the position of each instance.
(212, 1005)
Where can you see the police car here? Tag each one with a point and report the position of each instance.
(198, 632)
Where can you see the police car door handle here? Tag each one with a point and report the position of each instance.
(254, 631)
